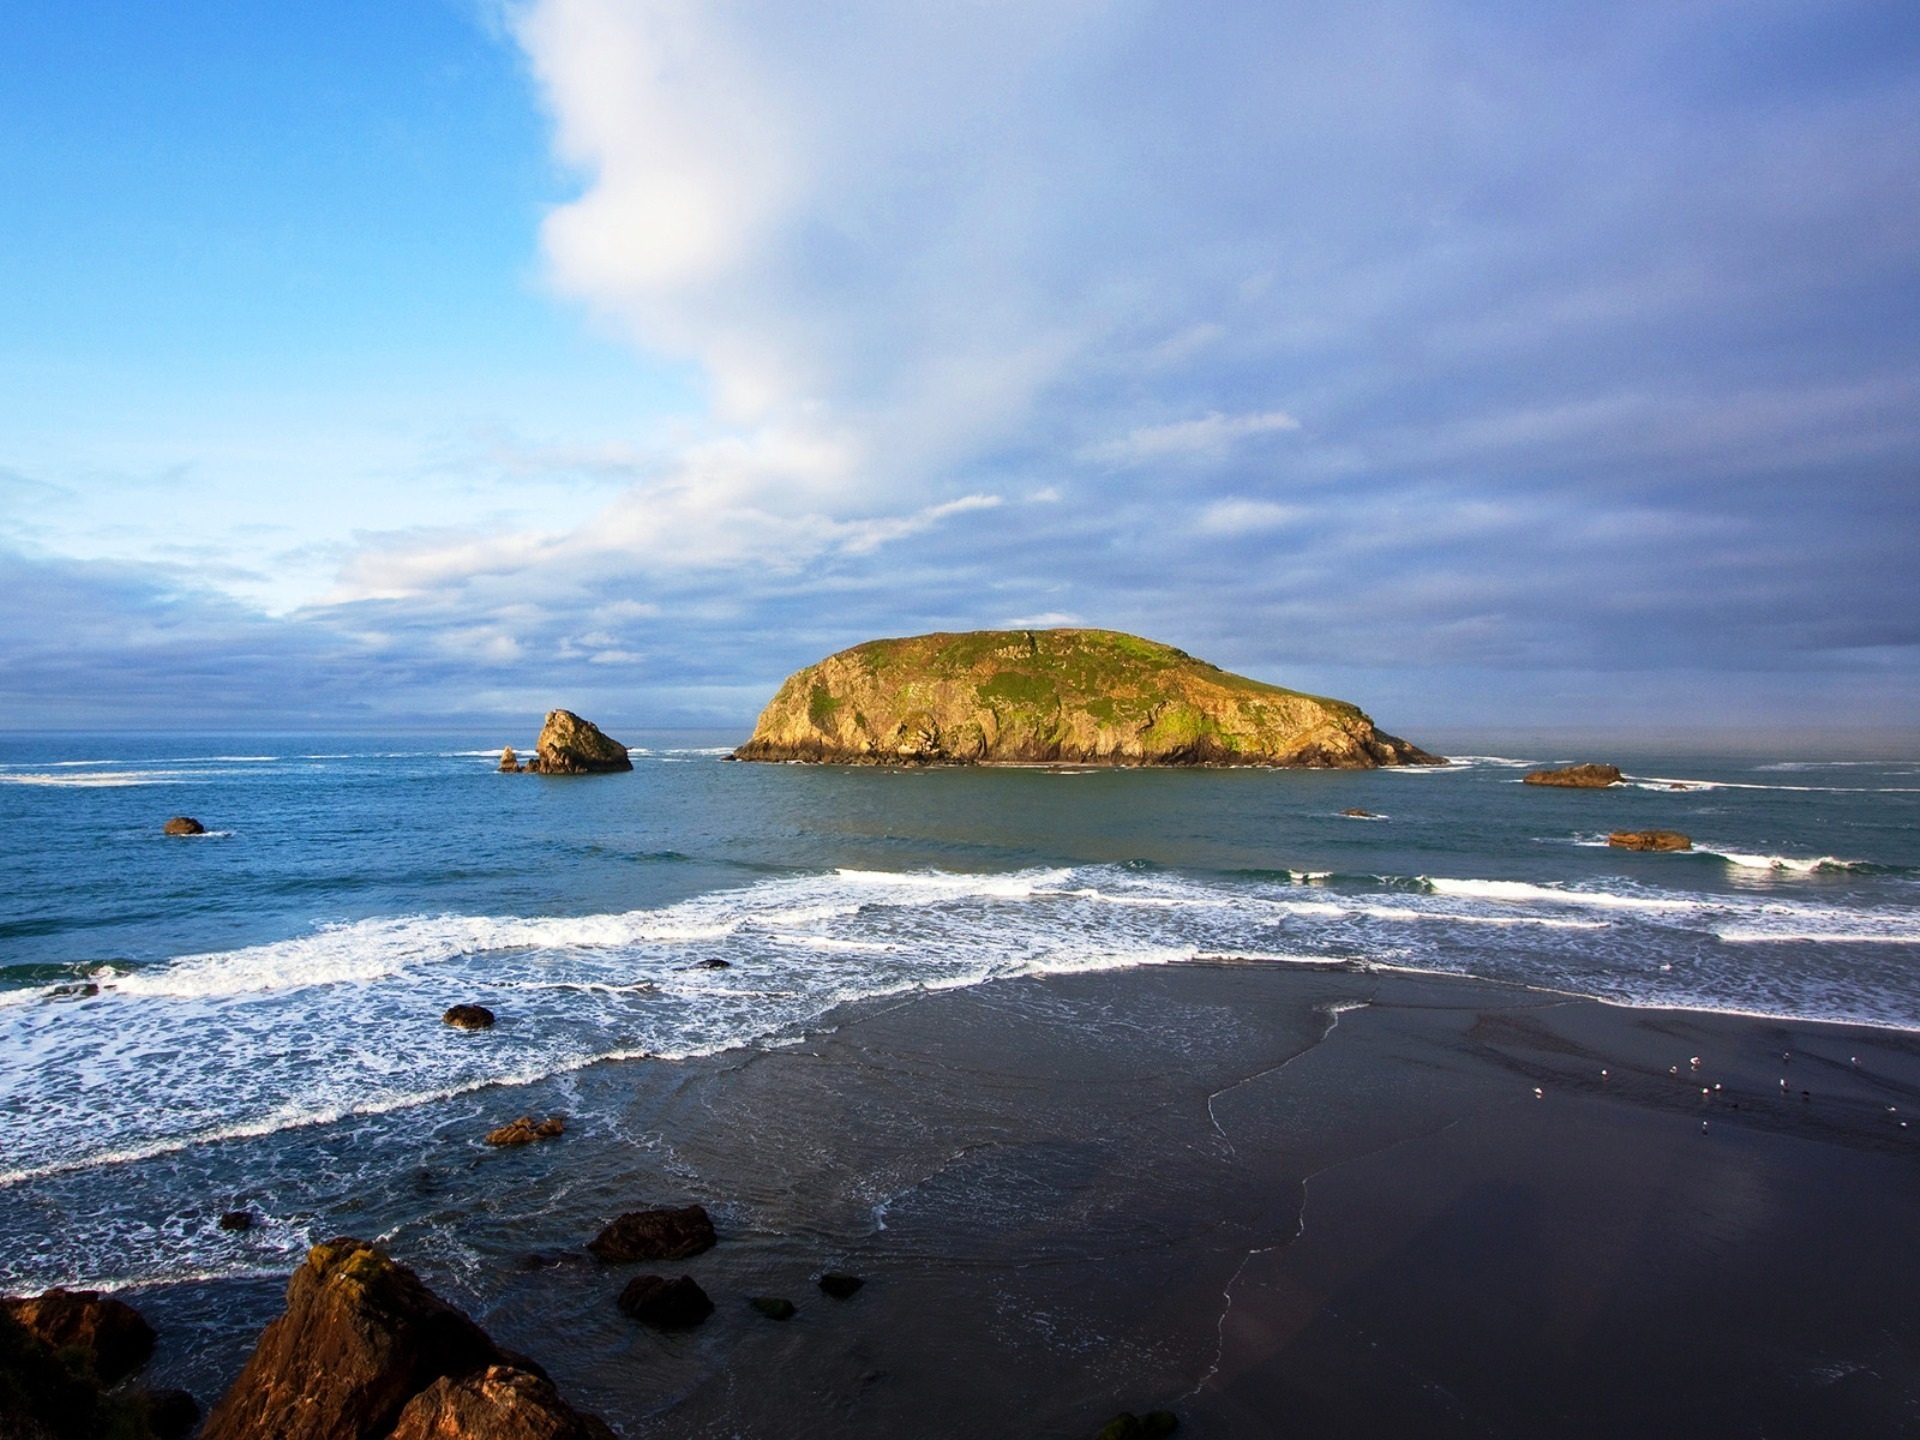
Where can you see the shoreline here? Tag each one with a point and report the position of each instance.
(1076, 1194)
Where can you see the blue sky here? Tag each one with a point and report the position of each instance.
(1494, 364)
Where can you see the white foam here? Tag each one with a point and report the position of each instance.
(92, 779)
(1520, 892)
(1792, 864)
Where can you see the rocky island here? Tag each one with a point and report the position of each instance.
(1056, 696)
(570, 745)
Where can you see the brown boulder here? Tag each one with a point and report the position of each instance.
(1576, 777)
(570, 745)
(654, 1235)
(468, 1017)
(1354, 812)
(115, 1340)
(183, 825)
(42, 1397)
(509, 762)
(524, 1131)
(361, 1337)
(665, 1304)
(1649, 840)
(498, 1403)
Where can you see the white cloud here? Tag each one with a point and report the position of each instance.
(1210, 435)
(1247, 517)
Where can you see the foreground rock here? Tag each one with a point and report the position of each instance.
(570, 745)
(1153, 1425)
(1649, 840)
(1576, 777)
(525, 1131)
(498, 1403)
(665, 1304)
(183, 825)
(110, 1333)
(654, 1235)
(1046, 696)
(360, 1341)
(468, 1017)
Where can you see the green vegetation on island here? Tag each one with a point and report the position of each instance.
(1052, 697)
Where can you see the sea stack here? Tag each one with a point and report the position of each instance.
(1094, 697)
(570, 745)
(1576, 777)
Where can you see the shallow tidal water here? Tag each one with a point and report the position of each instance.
(250, 1018)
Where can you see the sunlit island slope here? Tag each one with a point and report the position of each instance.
(1056, 696)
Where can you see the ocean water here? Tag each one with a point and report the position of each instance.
(251, 1016)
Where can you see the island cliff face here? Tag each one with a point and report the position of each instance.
(1040, 696)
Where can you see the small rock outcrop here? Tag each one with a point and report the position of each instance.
(525, 1131)
(570, 745)
(170, 1414)
(510, 763)
(1354, 812)
(1649, 840)
(361, 1338)
(774, 1307)
(183, 825)
(1576, 777)
(237, 1220)
(110, 1333)
(1094, 697)
(498, 1403)
(839, 1286)
(665, 1304)
(52, 1394)
(665, 1234)
(468, 1017)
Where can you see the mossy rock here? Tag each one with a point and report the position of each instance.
(1053, 696)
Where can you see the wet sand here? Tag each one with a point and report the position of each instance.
(1277, 1201)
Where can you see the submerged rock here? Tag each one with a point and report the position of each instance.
(361, 1336)
(773, 1307)
(1576, 777)
(183, 825)
(1045, 696)
(468, 1017)
(1649, 840)
(664, 1234)
(839, 1286)
(665, 1304)
(237, 1220)
(1153, 1425)
(501, 1402)
(110, 1333)
(570, 745)
(524, 1131)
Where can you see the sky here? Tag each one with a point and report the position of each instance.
(1496, 364)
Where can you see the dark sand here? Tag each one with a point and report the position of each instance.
(1189, 1187)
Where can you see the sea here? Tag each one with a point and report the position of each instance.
(251, 1017)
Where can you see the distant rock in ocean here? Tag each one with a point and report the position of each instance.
(526, 1130)
(1576, 777)
(365, 1350)
(183, 825)
(654, 1235)
(570, 745)
(1649, 840)
(1056, 696)
(509, 762)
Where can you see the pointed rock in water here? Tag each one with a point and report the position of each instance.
(570, 745)
(183, 825)
(468, 1017)
(654, 1235)
(498, 1403)
(1576, 777)
(509, 762)
(524, 1131)
(1649, 840)
(361, 1337)
(665, 1304)
(109, 1332)
(1044, 696)
(840, 1287)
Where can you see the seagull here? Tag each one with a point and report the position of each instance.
(1783, 1085)
(1603, 1074)
(1703, 1127)
(1854, 1058)
(1716, 1087)
(1695, 1062)
(1673, 1069)
(1538, 1093)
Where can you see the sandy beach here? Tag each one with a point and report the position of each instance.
(1275, 1200)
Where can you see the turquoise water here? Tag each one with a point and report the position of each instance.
(189, 1015)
